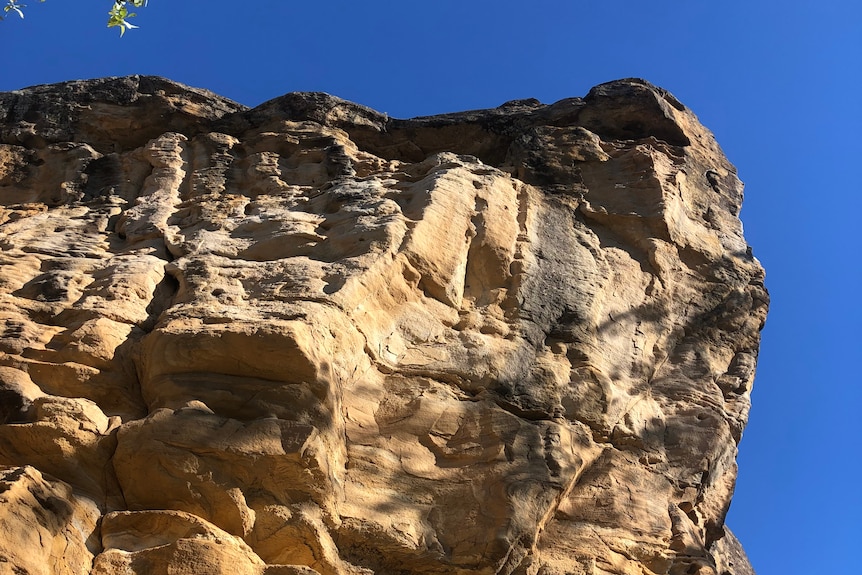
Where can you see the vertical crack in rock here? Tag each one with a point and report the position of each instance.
(309, 338)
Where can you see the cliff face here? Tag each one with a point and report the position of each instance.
(307, 338)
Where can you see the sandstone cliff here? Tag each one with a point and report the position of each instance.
(308, 338)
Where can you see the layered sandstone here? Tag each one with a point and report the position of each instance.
(308, 338)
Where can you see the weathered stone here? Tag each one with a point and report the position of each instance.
(308, 338)
(45, 527)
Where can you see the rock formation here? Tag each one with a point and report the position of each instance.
(308, 338)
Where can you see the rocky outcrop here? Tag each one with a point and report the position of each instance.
(308, 338)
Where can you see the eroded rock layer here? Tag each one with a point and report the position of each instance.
(308, 338)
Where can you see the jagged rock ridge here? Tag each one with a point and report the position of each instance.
(308, 338)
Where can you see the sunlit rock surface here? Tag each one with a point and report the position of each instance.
(308, 338)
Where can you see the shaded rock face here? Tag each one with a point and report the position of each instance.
(307, 338)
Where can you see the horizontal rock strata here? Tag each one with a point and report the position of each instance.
(308, 338)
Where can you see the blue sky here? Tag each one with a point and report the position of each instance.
(779, 83)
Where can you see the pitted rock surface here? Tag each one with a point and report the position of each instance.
(308, 338)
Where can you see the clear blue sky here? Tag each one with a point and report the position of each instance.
(780, 84)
